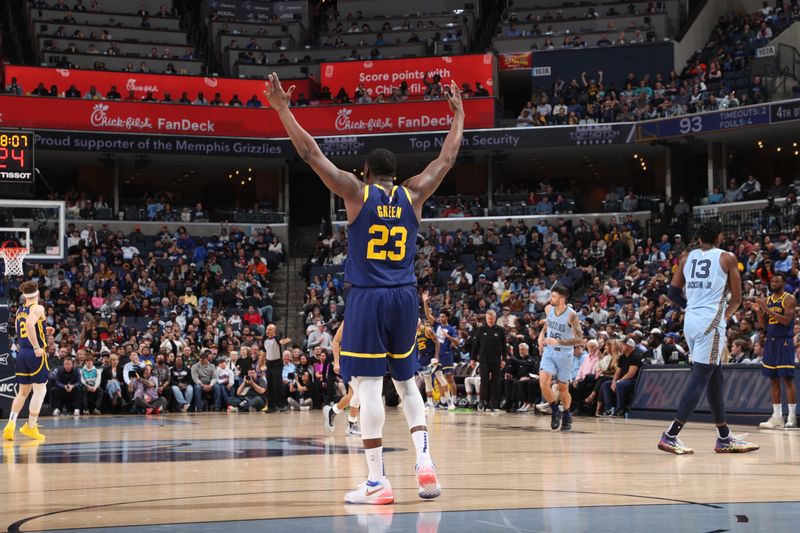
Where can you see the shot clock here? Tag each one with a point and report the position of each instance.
(16, 156)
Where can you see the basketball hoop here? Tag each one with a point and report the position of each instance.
(12, 256)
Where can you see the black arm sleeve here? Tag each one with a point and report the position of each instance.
(675, 294)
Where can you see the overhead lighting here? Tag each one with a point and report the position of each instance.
(250, 178)
(778, 149)
(796, 152)
(242, 182)
(636, 156)
(249, 169)
(237, 172)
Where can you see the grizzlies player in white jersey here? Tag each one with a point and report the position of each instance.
(707, 273)
(560, 334)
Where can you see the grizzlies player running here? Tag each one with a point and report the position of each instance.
(561, 333)
(32, 368)
(382, 306)
(776, 317)
(707, 273)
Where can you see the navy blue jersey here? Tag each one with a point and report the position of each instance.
(24, 334)
(381, 241)
(775, 328)
(426, 347)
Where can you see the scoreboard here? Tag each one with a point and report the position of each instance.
(16, 157)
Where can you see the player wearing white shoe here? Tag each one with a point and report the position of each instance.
(350, 399)
(383, 303)
(776, 318)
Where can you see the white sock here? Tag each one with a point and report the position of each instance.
(352, 419)
(13, 418)
(420, 439)
(561, 407)
(792, 410)
(336, 409)
(776, 410)
(375, 463)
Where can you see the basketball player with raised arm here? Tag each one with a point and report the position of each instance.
(707, 273)
(350, 399)
(426, 349)
(382, 306)
(32, 368)
(560, 334)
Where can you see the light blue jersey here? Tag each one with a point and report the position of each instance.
(558, 327)
(558, 360)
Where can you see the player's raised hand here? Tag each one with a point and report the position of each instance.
(425, 296)
(453, 94)
(276, 96)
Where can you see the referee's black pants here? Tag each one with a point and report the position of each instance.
(275, 384)
(490, 383)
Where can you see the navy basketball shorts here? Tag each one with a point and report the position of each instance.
(447, 362)
(380, 333)
(778, 361)
(31, 369)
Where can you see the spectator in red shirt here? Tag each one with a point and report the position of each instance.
(253, 319)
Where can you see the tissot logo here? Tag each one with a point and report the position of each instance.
(8, 387)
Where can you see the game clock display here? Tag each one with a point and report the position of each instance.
(16, 156)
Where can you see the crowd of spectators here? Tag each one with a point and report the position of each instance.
(619, 276)
(714, 78)
(150, 322)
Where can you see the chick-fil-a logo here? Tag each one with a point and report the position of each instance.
(133, 86)
(100, 119)
(344, 123)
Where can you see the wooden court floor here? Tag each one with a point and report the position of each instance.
(259, 472)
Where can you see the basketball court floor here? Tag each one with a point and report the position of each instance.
(253, 472)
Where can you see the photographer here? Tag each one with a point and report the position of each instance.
(250, 395)
(144, 387)
(131, 367)
(301, 393)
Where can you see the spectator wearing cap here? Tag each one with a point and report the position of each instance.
(615, 392)
(320, 337)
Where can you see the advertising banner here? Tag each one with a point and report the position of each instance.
(518, 61)
(745, 391)
(210, 121)
(380, 76)
(159, 84)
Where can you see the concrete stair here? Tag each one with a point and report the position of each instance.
(303, 240)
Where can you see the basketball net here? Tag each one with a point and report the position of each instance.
(12, 256)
